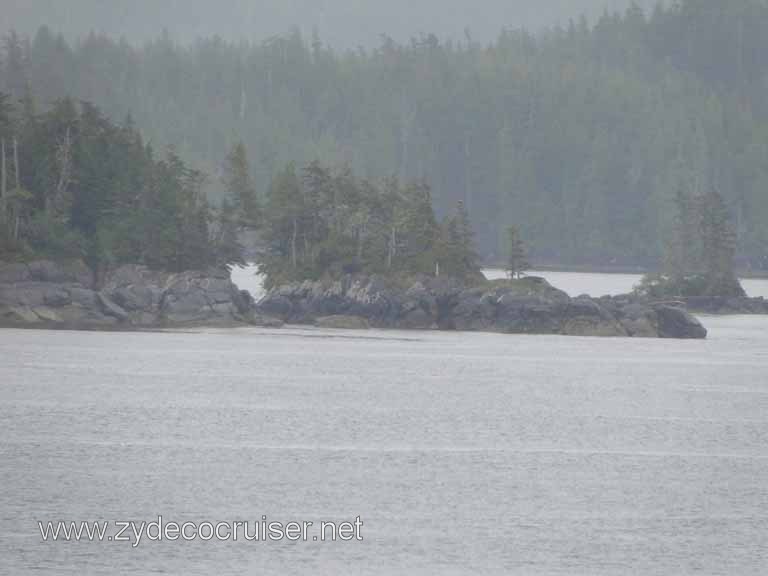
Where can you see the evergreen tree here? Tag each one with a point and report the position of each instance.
(418, 231)
(228, 248)
(240, 188)
(469, 258)
(684, 253)
(455, 248)
(517, 260)
(280, 258)
(700, 259)
(718, 242)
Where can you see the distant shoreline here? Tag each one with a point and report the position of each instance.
(638, 270)
(588, 269)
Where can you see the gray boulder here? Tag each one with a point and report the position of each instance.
(12, 273)
(75, 272)
(673, 322)
(208, 297)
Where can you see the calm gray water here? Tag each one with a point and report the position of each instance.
(462, 453)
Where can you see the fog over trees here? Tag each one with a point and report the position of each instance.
(580, 136)
(341, 23)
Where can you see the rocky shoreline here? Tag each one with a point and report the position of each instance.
(47, 294)
(54, 295)
(527, 306)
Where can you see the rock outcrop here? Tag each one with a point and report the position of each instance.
(48, 294)
(528, 306)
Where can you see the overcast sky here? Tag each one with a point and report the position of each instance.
(342, 23)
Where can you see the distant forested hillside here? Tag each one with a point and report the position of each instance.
(342, 23)
(581, 136)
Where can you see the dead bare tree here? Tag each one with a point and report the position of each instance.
(16, 171)
(17, 175)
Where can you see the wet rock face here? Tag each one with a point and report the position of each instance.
(675, 322)
(528, 306)
(63, 295)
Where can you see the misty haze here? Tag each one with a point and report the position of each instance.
(341, 23)
(430, 287)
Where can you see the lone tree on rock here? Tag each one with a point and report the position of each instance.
(517, 260)
(699, 260)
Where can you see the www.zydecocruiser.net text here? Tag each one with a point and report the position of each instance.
(160, 530)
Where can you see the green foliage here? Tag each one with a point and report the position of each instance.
(240, 188)
(678, 286)
(328, 223)
(718, 242)
(455, 248)
(228, 246)
(87, 188)
(53, 238)
(700, 257)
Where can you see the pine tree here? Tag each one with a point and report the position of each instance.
(284, 214)
(466, 238)
(455, 247)
(517, 261)
(418, 231)
(683, 253)
(240, 188)
(718, 243)
(229, 250)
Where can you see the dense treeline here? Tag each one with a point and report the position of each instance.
(75, 185)
(322, 223)
(580, 136)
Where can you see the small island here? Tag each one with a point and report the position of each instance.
(107, 235)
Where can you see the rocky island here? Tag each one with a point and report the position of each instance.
(46, 294)
(526, 306)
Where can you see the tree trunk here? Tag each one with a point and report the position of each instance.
(16, 163)
(360, 238)
(64, 161)
(359, 244)
(3, 187)
(392, 248)
(3, 177)
(293, 242)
